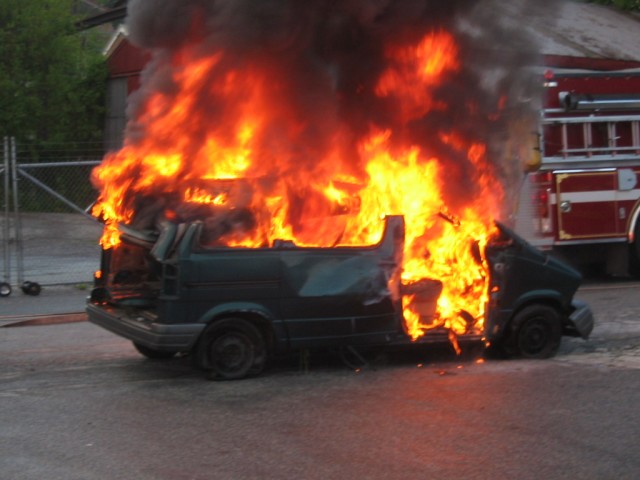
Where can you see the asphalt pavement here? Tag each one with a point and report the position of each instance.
(79, 403)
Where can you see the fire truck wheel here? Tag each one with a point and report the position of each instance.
(231, 349)
(534, 332)
(635, 253)
(153, 354)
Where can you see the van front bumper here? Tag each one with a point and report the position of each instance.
(581, 319)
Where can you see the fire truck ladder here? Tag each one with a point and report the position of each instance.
(573, 155)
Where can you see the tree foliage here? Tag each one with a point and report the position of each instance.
(623, 4)
(52, 78)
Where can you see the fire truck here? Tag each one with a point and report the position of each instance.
(582, 199)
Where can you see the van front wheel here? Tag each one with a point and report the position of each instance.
(231, 349)
(534, 332)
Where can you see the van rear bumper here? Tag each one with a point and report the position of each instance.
(142, 329)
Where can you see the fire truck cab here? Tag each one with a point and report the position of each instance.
(583, 201)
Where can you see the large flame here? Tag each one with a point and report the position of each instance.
(262, 170)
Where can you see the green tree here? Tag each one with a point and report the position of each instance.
(52, 78)
(623, 4)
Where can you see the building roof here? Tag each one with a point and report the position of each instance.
(582, 29)
(116, 14)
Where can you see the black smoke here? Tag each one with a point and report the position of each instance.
(329, 55)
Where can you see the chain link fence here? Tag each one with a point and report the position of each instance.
(46, 232)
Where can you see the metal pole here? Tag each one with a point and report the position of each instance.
(17, 217)
(6, 228)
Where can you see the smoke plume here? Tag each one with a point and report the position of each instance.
(324, 59)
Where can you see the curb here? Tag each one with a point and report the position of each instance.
(37, 320)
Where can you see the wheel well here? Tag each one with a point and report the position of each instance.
(550, 302)
(634, 224)
(633, 239)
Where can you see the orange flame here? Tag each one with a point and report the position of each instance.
(340, 197)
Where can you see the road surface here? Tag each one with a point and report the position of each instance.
(80, 403)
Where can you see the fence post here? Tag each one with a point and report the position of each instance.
(17, 220)
(5, 227)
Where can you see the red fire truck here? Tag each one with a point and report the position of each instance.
(583, 199)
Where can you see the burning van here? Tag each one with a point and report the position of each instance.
(231, 308)
(263, 147)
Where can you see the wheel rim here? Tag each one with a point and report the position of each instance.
(232, 354)
(5, 289)
(534, 336)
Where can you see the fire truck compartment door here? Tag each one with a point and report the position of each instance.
(627, 179)
(586, 205)
(627, 198)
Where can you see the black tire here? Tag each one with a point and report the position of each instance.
(231, 349)
(31, 288)
(152, 353)
(534, 332)
(5, 289)
(634, 253)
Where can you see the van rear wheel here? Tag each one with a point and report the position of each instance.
(534, 332)
(231, 349)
